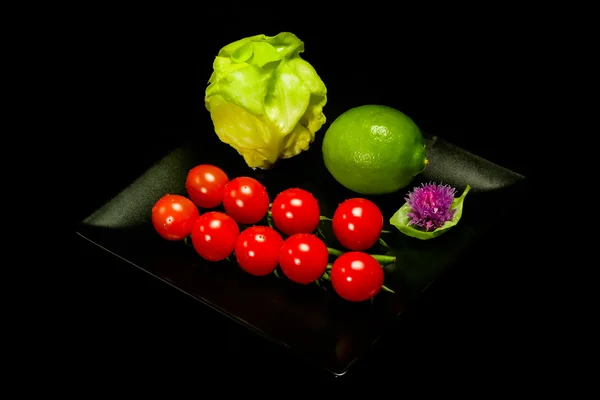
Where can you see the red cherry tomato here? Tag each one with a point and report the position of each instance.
(205, 185)
(357, 224)
(295, 211)
(303, 258)
(257, 250)
(356, 276)
(173, 216)
(245, 200)
(214, 236)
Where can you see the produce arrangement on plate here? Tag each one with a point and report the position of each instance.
(316, 235)
(268, 104)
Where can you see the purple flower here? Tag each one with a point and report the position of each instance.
(430, 205)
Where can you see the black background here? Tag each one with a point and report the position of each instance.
(461, 74)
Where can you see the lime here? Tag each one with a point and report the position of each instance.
(374, 149)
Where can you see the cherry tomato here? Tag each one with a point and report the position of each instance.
(303, 258)
(205, 185)
(356, 276)
(296, 211)
(245, 200)
(357, 224)
(214, 235)
(257, 250)
(173, 216)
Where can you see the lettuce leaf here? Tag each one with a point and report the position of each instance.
(264, 99)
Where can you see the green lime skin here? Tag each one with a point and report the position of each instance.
(374, 149)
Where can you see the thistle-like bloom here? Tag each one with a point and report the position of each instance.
(430, 205)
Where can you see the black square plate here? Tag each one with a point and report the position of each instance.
(310, 321)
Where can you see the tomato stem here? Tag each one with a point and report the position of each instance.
(384, 260)
(270, 221)
(387, 289)
(334, 252)
(383, 243)
(320, 232)
(322, 218)
(276, 273)
(329, 266)
(188, 240)
(384, 231)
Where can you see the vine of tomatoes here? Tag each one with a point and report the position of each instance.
(283, 237)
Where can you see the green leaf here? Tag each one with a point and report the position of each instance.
(264, 53)
(401, 220)
(243, 53)
(287, 98)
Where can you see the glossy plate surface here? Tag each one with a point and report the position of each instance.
(311, 322)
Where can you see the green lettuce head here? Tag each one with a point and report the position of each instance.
(264, 99)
